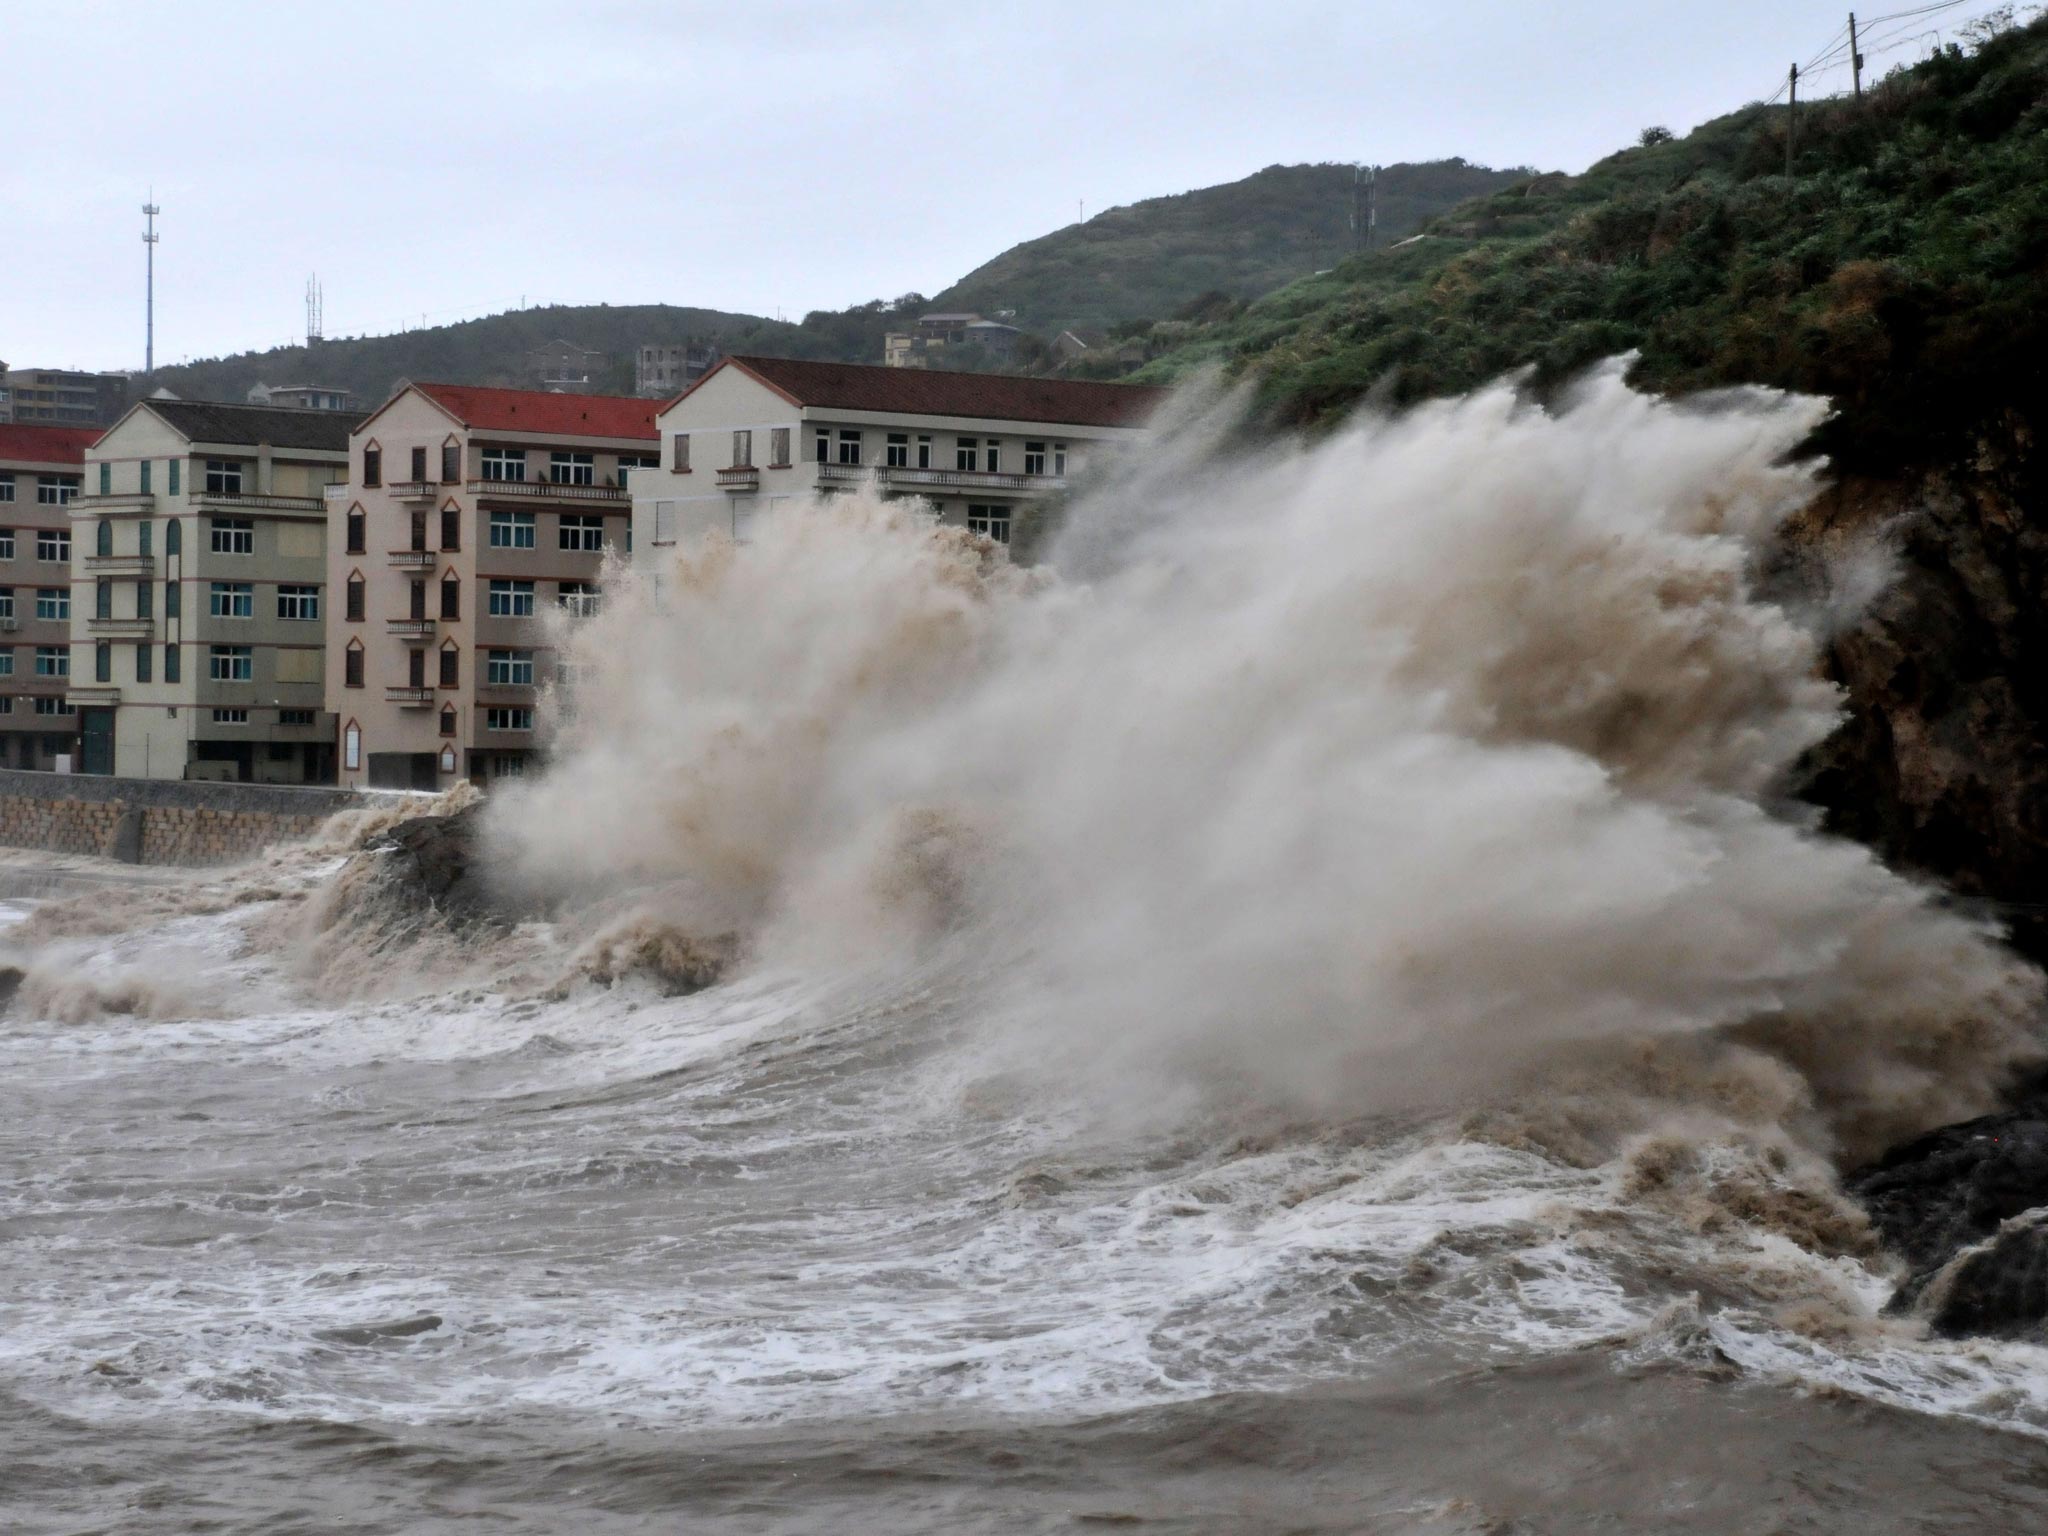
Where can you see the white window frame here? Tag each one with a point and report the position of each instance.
(966, 455)
(224, 477)
(580, 533)
(580, 599)
(231, 716)
(508, 669)
(514, 593)
(991, 521)
(231, 535)
(299, 603)
(53, 546)
(509, 718)
(567, 466)
(54, 603)
(53, 661)
(896, 450)
(1034, 458)
(7, 491)
(231, 663)
(45, 705)
(513, 530)
(508, 464)
(850, 446)
(231, 600)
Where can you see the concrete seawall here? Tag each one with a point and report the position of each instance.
(159, 821)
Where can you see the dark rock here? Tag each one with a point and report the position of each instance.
(372, 1333)
(1944, 1202)
(438, 861)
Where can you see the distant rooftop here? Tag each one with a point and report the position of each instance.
(539, 410)
(281, 426)
(934, 392)
(27, 444)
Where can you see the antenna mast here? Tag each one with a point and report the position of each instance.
(149, 213)
(315, 330)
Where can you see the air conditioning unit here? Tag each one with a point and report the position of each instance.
(10, 623)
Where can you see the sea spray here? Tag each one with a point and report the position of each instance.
(1344, 773)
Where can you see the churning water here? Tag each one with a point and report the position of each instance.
(1305, 1013)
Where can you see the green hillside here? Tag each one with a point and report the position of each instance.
(1244, 238)
(1902, 268)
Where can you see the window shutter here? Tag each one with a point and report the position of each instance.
(355, 532)
(419, 465)
(451, 463)
(682, 459)
(451, 528)
(352, 668)
(373, 466)
(355, 599)
(451, 663)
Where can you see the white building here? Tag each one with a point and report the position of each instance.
(985, 449)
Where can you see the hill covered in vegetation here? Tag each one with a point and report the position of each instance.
(1244, 238)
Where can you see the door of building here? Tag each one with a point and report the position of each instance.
(97, 728)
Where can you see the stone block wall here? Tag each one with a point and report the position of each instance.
(159, 821)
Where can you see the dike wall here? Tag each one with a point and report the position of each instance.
(160, 821)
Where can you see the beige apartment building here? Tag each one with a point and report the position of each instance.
(469, 516)
(41, 469)
(198, 573)
(986, 450)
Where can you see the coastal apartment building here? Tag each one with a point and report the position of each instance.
(62, 397)
(198, 571)
(986, 450)
(470, 515)
(41, 469)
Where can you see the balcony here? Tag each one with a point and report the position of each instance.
(844, 474)
(413, 559)
(121, 629)
(89, 696)
(548, 490)
(739, 477)
(120, 565)
(410, 698)
(415, 490)
(236, 501)
(903, 478)
(125, 501)
(411, 629)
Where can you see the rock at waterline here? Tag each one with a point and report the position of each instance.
(1967, 1207)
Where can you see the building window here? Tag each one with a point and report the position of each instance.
(174, 600)
(417, 533)
(103, 538)
(171, 664)
(373, 466)
(232, 600)
(53, 603)
(419, 466)
(106, 479)
(234, 536)
(629, 462)
(508, 719)
(57, 491)
(504, 463)
(298, 603)
(565, 468)
(966, 453)
(352, 666)
(6, 602)
(103, 662)
(1059, 458)
(145, 600)
(53, 545)
(295, 717)
(103, 599)
(584, 534)
(896, 451)
(223, 477)
(174, 538)
(355, 600)
(451, 463)
(143, 532)
(6, 487)
(509, 669)
(6, 543)
(231, 663)
(924, 452)
(1034, 458)
(822, 442)
(451, 597)
(511, 599)
(7, 661)
(49, 706)
(778, 447)
(356, 530)
(680, 463)
(579, 598)
(451, 528)
(53, 661)
(512, 530)
(231, 717)
(451, 667)
(849, 447)
(144, 485)
(447, 719)
(171, 478)
(6, 706)
(743, 448)
(143, 657)
(995, 453)
(992, 522)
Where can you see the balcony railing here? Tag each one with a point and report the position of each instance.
(88, 695)
(118, 501)
(410, 698)
(120, 565)
(967, 480)
(411, 629)
(413, 559)
(739, 477)
(845, 472)
(546, 490)
(122, 629)
(415, 490)
(237, 501)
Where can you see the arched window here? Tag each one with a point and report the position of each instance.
(352, 747)
(356, 530)
(451, 596)
(451, 665)
(174, 540)
(352, 665)
(447, 719)
(355, 597)
(103, 538)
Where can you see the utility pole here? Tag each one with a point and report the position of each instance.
(1855, 58)
(1792, 120)
(1372, 203)
(149, 212)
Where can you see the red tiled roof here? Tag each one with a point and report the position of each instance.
(27, 444)
(929, 392)
(537, 410)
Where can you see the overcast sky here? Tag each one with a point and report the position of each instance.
(443, 158)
